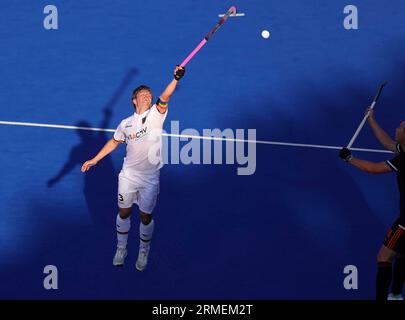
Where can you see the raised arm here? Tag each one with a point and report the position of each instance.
(109, 147)
(165, 96)
(380, 134)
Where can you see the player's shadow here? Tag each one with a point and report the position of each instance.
(99, 183)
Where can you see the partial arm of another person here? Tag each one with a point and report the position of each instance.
(380, 134)
(364, 165)
(165, 96)
(370, 167)
(109, 147)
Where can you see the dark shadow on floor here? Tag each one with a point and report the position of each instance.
(100, 183)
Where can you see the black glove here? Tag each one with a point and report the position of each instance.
(179, 73)
(345, 154)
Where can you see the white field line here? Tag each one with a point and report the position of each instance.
(278, 143)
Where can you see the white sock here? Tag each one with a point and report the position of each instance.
(145, 233)
(123, 226)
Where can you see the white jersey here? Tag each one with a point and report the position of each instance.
(142, 134)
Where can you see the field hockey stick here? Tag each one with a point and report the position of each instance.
(232, 10)
(377, 96)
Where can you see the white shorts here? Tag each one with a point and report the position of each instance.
(137, 191)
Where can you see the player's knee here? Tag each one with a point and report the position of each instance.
(125, 212)
(145, 218)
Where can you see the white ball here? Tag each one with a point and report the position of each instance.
(265, 34)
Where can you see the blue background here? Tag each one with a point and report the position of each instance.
(286, 232)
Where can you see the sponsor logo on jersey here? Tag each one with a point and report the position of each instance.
(138, 135)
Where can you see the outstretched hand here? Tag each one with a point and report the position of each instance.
(88, 164)
(179, 72)
(345, 154)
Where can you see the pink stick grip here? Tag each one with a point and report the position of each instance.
(192, 54)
